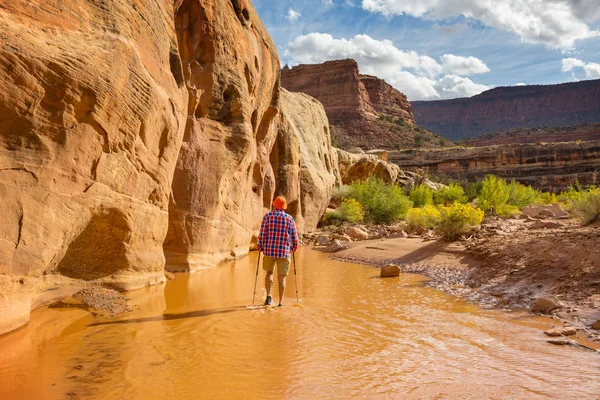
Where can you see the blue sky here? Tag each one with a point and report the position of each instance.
(436, 49)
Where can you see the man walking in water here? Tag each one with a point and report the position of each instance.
(278, 236)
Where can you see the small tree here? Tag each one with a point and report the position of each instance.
(454, 193)
(382, 202)
(421, 196)
(493, 193)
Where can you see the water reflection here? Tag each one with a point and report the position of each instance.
(352, 336)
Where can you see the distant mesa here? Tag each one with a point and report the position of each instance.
(363, 110)
(507, 108)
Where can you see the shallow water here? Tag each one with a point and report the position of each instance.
(353, 335)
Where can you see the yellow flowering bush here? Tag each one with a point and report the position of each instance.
(349, 211)
(423, 218)
(458, 219)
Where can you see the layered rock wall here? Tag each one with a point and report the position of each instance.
(364, 111)
(387, 100)
(93, 111)
(551, 167)
(336, 84)
(511, 107)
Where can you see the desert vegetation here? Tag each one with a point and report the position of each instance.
(453, 210)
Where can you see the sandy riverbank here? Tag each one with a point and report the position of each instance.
(505, 265)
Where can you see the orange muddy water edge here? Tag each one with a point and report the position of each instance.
(353, 335)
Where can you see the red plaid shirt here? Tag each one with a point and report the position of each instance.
(278, 235)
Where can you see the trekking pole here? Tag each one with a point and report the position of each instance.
(295, 276)
(256, 279)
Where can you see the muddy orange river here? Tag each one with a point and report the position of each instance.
(353, 335)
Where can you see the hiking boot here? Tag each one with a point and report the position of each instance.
(268, 301)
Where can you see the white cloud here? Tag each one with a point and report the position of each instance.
(569, 63)
(592, 70)
(293, 15)
(520, 84)
(463, 65)
(554, 23)
(418, 76)
(328, 2)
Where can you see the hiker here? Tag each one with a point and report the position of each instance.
(278, 237)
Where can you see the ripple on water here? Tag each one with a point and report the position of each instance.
(354, 336)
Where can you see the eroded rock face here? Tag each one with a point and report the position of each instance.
(355, 105)
(511, 107)
(93, 108)
(386, 99)
(336, 84)
(551, 167)
(360, 166)
(304, 163)
(223, 180)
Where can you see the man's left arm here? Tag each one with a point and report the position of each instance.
(294, 235)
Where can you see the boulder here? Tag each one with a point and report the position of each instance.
(341, 237)
(322, 240)
(596, 325)
(357, 233)
(538, 224)
(335, 247)
(390, 271)
(544, 211)
(561, 331)
(546, 305)
(356, 167)
(560, 341)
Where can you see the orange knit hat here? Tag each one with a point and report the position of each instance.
(280, 203)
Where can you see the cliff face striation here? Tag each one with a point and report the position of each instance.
(364, 111)
(551, 167)
(507, 108)
(144, 135)
(93, 111)
(221, 183)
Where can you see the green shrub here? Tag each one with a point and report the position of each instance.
(507, 211)
(588, 207)
(421, 196)
(454, 193)
(520, 195)
(382, 202)
(546, 198)
(493, 194)
(423, 218)
(472, 190)
(349, 211)
(457, 219)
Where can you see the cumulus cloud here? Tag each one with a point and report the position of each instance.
(293, 15)
(463, 65)
(418, 76)
(554, 23)
(520, 84)
(592, 70)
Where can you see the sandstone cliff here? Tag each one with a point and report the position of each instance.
(139, 131)
(223, 180)
(506, 108)
(305, 165)
(551, 167)
(583, 132)
(93, 110)
(364, 111)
